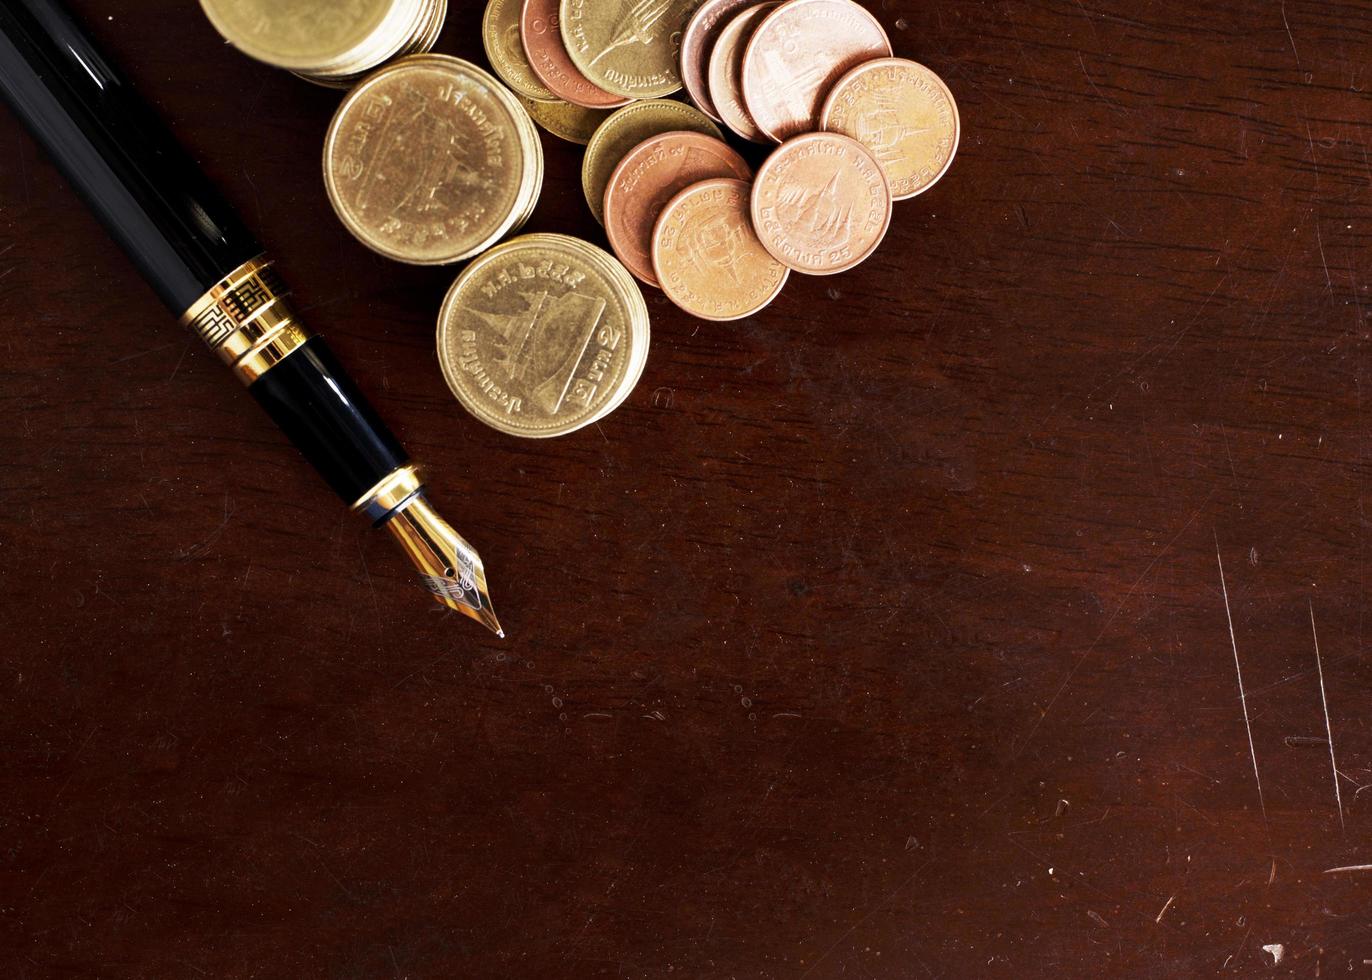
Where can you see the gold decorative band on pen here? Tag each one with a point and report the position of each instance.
(246, 320)
(398, 486)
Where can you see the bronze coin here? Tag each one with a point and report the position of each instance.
(708, 257)
(821, 203)
(725, 71)
(649, 176)
(797, 54)
(542, 37)
(698, 40)
(904, 114)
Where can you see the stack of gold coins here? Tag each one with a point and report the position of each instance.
(431, 161)
(543, 335)
(331, 42)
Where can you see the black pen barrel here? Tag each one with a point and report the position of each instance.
(118, 155)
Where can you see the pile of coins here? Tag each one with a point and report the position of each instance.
(858, 130)
(329, 42)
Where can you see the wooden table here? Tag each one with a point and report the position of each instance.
(892, 633)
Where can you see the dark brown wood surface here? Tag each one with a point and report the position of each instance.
(883, 635)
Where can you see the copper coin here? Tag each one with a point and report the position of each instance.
(904, 114)
(725, 71)
(649, 176)
(542, 37)
(698, 40)
(821, 203)
(797, 54)
(707, 256)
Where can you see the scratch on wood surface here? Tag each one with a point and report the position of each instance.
(1165, 908)
(1347, 868)
(1328, 729)
(1238, 670)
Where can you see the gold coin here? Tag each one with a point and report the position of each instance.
(904, 114)
(566, 121)
(707, 256)
(623, 131)
(422, 40)
(543, 335)
(431, 160)
(627, 47)
(500, 35)
(306, 35)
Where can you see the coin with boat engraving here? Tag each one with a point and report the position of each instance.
(707, 257)
(649, 176)
(543, 335)
(303, 35)
(725, 71)
(572, 123)
(628, 47)
(505, 49)
(697, 41)
(904, 114)
(821, 203)
(797, 54)
(623, 131)
(542, 39)
(432, 160)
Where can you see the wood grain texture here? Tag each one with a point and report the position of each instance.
(881, 635)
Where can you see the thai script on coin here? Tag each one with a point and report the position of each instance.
(904, 114)
(543, 335)
(542, 37)
(432, 160)
(797, 54)
(649, 176)
(624, 130)
(708, 259)
(628, 47)
(821, 203)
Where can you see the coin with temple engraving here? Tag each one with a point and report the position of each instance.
(708, 258)
(904, 114)
(624, 130)
(432, 160)
(542, 38)
(649, 176)
(797, 54)
(306, 35)
(628, 47)
(725, 71)
(505, 49)
(821, 203)
(543, 335)
(697, 41)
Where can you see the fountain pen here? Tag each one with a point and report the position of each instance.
(212, 273)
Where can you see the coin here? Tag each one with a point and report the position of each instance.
(432, 160)
(505, 49)
(542, 38)
(797, 54)
(624, 130)
(628, 47)
(572, 123)
(423, 36)
(708, 258)
(904, 114)
(649, 176)
(821, 203)
(697, 41)
(543, 335)
(303, 35)
(725, 71)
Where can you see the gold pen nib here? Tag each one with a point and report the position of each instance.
(449, 567)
